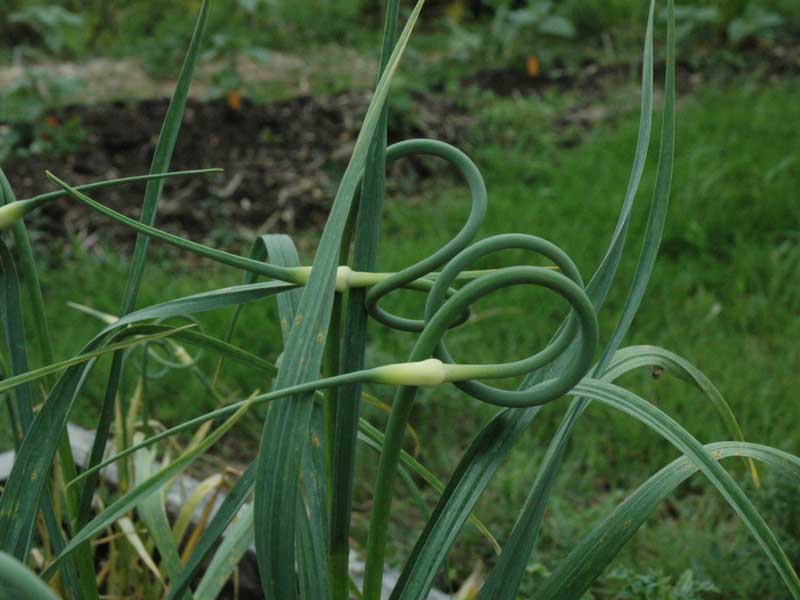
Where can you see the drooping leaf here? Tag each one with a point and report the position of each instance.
(633, 357)
(592, 554)
(671, 431)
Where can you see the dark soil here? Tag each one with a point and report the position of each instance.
(595, 79)
(282, 163)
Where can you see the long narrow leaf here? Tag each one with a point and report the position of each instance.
(19, 381)
(162, 157)
(372, 437)
(36, 201)
(634, 357)
(226, 513)
(20, 500)
(285, 432)
(153, 513)
(313, 535)
(26, 480)
(205, 489)
(14, 333)
(670, 430)
(590, 557)
(354, 335)
(148, 231)
(489, 448)
(236, 543)
(281, 250)
(503, 581)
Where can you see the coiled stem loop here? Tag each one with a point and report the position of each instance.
(479, 201)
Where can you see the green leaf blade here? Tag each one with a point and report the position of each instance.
(286, 429)
(671, 431)
(595, 551)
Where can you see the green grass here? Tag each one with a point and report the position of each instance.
(725, 294)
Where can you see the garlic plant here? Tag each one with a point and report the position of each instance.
(301, 482)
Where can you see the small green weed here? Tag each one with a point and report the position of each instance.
(27, 128)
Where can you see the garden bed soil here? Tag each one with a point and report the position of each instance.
(594, 80)
(282, 163)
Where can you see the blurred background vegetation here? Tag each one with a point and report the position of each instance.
(544, 96)
(80, 28)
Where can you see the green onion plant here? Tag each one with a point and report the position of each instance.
(294, 500)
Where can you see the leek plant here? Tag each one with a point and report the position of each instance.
(294, 500)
